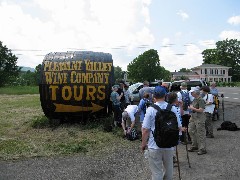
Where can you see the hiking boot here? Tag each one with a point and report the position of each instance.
(192, 149)
(175, 159)
(210, 136)
(201, 152)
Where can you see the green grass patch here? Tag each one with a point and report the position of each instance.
(12, 149)
(25, 132)
(19, 90)
(40, 122)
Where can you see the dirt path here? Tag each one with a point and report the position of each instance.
(220, 163)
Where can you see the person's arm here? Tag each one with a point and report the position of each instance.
(201, 106)
(145, 135)
(124, 127)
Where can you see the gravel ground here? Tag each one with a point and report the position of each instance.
(220, 163)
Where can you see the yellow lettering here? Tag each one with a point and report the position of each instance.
(47, 65)
(66, 93)
(53, 94)
(90, 92)
(48, 77)
(76, 92)
(101, 94)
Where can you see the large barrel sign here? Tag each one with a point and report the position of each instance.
(76, 84)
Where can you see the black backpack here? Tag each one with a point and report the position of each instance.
(228, 125)
(166, 133)
(132, 135)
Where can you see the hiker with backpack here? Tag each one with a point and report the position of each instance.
(173, 99)
(160, 133)
(129, 121)
(184, 99)
(214, 92)
(143, 105)
(209, 108)
(196, 126)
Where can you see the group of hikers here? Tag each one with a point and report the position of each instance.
(190, 112)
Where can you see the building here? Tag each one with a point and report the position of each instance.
(207, 72)
(213, 72)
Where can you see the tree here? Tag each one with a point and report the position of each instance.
(37, 73)
(227, 53)
(118, 73)
(8, 66)
(184, 70)
(147, 67)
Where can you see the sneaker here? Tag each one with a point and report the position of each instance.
(210, 136)
(201, 152)
(192, 149)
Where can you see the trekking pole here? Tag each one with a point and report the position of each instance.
(222, 105)
(186, 142)
(179, 172)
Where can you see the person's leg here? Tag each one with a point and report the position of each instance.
(156, 163)
(201, 133)
(185, 123)
(209, 126)
(192, 131)
(168, 164)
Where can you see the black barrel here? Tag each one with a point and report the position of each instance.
(76, 84)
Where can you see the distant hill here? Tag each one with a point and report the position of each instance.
(27, 69)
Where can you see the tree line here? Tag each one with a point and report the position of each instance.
(144, 67)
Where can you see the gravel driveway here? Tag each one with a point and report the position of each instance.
(220, 163)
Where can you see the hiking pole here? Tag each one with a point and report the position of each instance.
(179, 172)
(186, 142)
(222, 105)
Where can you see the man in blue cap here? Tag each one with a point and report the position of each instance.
(158, 158)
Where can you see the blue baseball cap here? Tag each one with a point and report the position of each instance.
(159, 92)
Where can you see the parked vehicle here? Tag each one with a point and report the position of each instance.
(190, 83)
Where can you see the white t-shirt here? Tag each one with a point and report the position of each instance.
(149, 122)
(209, 108)
(132, 110)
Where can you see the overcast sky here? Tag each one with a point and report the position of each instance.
(178, 29)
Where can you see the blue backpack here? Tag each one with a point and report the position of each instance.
(145, 105)
(185, 100)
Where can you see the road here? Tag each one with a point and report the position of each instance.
(231, 94)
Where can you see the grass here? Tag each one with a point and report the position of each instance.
(19, 90)
(25, 132)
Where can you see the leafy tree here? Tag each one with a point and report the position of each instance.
(37, 73)
(8, 66)
(118, 73)
(184, 70)
(147, 67)
(227, 53)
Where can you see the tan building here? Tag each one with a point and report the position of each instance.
(206, 72)
(213, 72)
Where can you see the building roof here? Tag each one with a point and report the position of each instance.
(210, 66)
(184, 73)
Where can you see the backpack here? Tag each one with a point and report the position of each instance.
(132, 135)
(145, 105)
(166, 133)
(228, 125)
(185, 100)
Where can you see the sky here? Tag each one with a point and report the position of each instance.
(178, 29)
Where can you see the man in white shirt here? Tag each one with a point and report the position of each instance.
(209, 108)
(158, 158)
(129, 114)
(186, 115)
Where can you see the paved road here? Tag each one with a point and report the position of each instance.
(231, 94)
